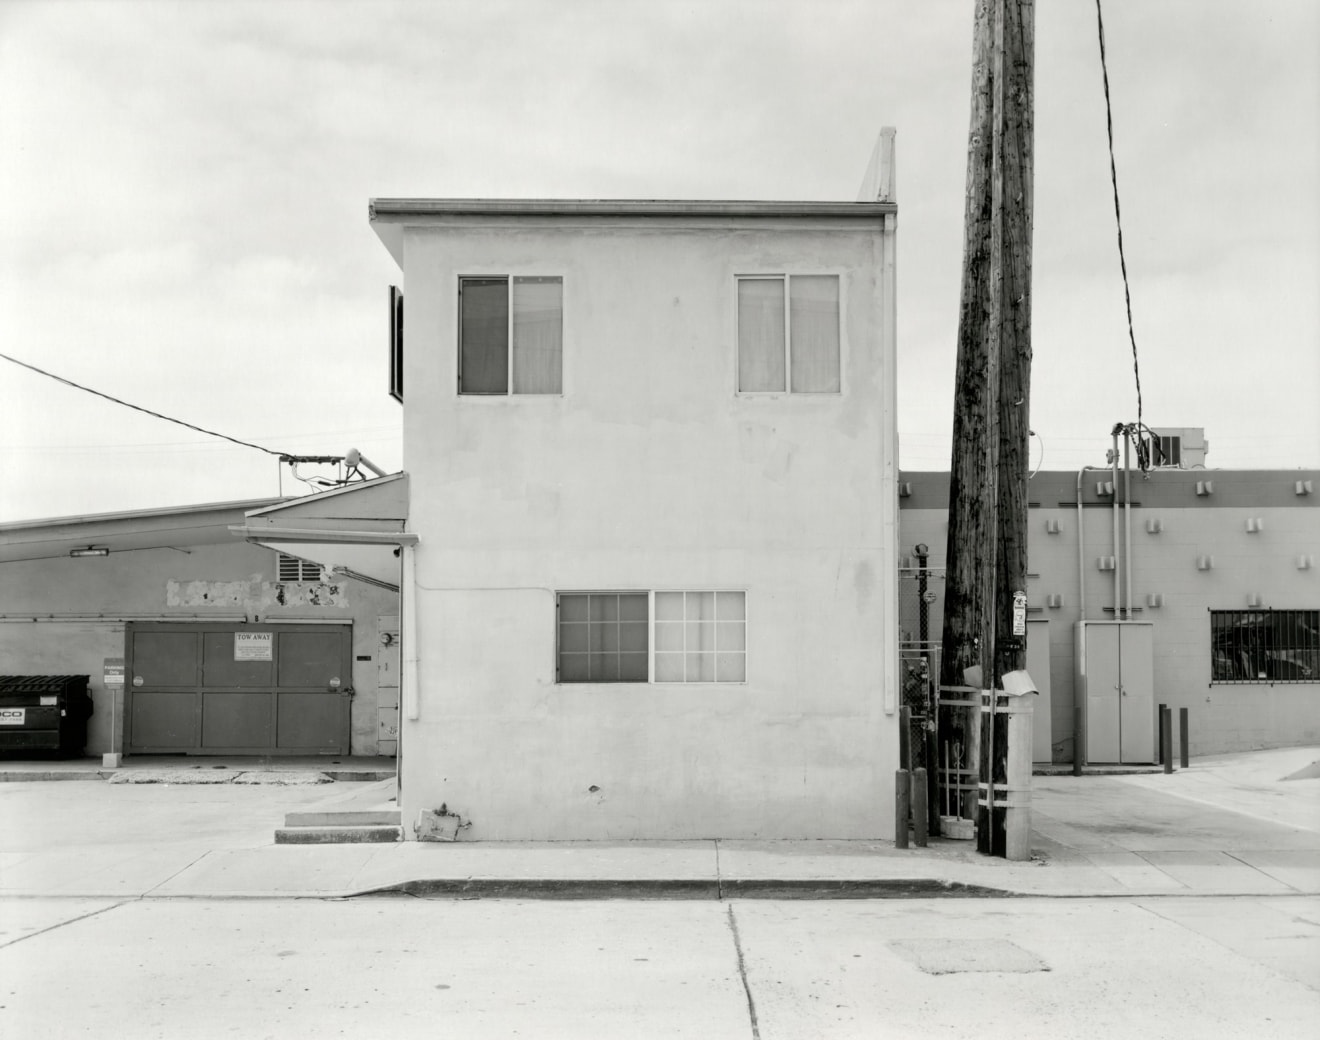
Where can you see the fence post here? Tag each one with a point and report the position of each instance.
(1166, 738)
(1182, 735)
(920, 816)
(901, 809)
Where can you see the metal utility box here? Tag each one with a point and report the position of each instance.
(1116, 690)
(44, 713)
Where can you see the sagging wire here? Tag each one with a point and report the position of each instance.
(1113, 176)
(137, 408)
(346, 473)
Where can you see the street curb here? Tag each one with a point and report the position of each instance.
(691, 888)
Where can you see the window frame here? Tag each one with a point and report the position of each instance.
(651, 619)
(509, 278)
(786, 277)
(1262, 650)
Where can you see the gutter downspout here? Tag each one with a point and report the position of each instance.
(1113, 479)
(1127, 529)
(1081, 620)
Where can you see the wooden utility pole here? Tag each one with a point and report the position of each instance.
(984, 620)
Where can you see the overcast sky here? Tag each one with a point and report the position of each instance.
(185, 195)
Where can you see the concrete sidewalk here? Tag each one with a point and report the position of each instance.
(1228, 825)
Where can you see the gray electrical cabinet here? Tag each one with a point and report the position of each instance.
(1116, 690)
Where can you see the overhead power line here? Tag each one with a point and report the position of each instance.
(1113, 176)
(138, 408)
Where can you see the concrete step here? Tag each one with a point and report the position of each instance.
(337, 835)
(343, 818)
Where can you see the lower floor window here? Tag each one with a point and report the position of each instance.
(1265, 646)
(663, 636)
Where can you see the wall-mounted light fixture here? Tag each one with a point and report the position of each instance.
(1106, 563)
(1205, 487)
(91, 550)
(1255, 525)
(1051, 526)
(1154, 599)
(1154, 525)
(1104, 487)
(1054, 600)
(1253, 599)
(1304, 562)
(1303, 487)
(1205, 563)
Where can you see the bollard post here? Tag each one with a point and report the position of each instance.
(920, 818)
(1182, 735)
(904, 737)
(901, 810)
(1166, 738)
(1162, 717)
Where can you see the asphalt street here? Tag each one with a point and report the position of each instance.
(1170, 967)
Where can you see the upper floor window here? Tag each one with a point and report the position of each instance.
(788, 334)
(510, 335)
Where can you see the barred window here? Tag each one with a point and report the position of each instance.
(1271, 646)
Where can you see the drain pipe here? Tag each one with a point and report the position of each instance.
(1078, 706)
(1113, 480)
(1127, 529)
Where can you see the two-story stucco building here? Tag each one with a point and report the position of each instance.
(652, 463)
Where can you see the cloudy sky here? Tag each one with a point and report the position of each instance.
(186, 187)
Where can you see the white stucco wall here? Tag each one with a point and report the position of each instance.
(650, 472)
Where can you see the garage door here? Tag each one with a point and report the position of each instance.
(213, 689)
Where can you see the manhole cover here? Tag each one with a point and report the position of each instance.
(950, 956)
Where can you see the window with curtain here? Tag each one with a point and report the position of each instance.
(788, 334)
(511, 335)
(605, 637)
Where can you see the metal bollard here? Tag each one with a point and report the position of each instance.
(901, 809)
(1162, 720)
(1182, 735)
(1166, 738)
(920, 820)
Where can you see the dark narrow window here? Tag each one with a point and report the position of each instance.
(483, 359)
(396, 343)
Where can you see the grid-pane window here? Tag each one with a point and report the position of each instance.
(700, 637)
(788, 334)
(602, 636)
(510, 332)
(1272, 646)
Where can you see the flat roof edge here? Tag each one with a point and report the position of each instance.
(400, 210)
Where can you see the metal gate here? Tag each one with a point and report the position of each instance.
(211, 689)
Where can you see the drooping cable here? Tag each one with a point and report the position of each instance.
(1113, 176)
(138, 408)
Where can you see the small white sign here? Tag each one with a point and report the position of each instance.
(1019, 613)
(254, 646)
(13, 716)
(114, 671)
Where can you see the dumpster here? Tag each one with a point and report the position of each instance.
(44, 713)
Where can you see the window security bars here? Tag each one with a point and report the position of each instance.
(1265, 646)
